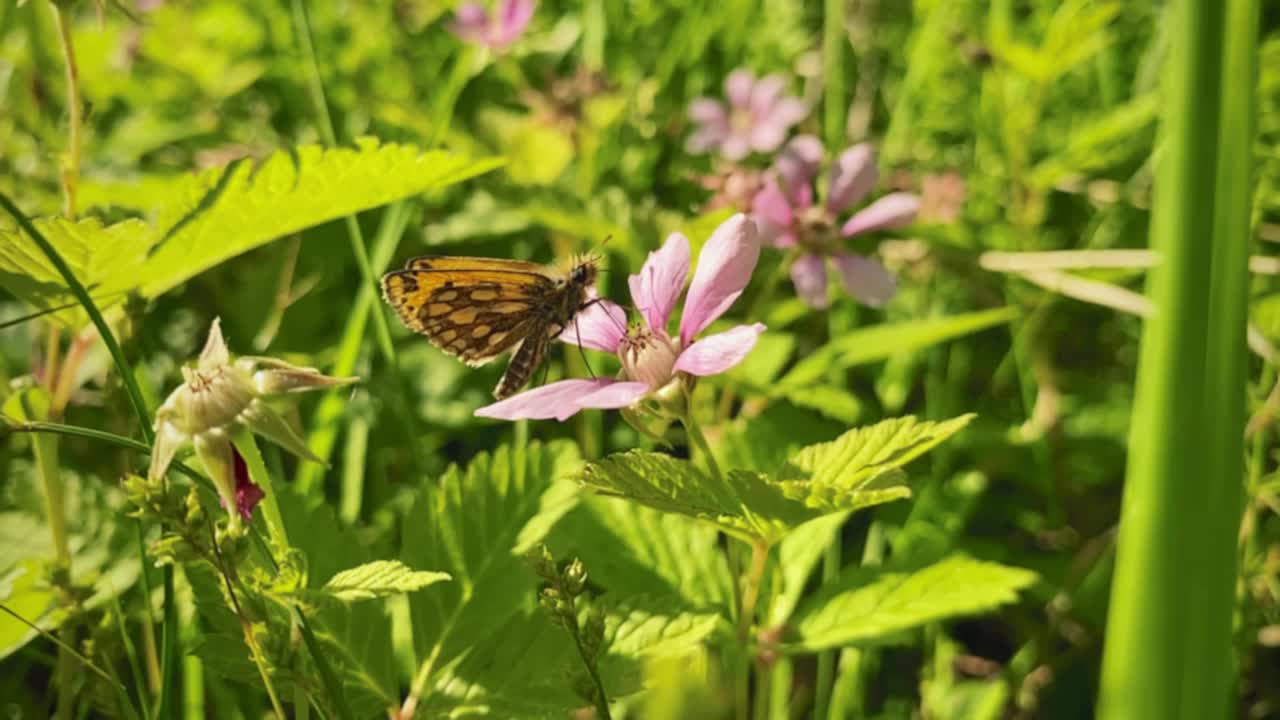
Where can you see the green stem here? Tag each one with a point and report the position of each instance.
(831, 562)
(324, 423)
(746, 616)
(459, 74)
(694, 432)
(70, 173)
(833, 100)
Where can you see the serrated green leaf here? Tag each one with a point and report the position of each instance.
(855, 458)
(869, 603)
(107, 260)
(228, 211)
(471, 523)
(860, 469)
(634, 551)
(525, 667)
(379, 579)
(220, 213)
(881, 341)
(745, 505)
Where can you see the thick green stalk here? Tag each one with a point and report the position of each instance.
(1210, 655)
(1160, 589)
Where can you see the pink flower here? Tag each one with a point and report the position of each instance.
(790, 218)
(757, 118)
(475, 25)
(651, 358)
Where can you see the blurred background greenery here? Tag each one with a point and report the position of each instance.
(1027, 125)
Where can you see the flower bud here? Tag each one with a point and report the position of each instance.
(575, 577)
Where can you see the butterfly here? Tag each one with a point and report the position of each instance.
(479, 308)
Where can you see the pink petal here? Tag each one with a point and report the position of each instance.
(767, 134)
(706, 111)
(705, 139)
(771, 205)
(655, 290)
(852, 177)
(559, 400)
(470, 22)
(717, 353)
(865, 279)
(736, 146)
(614, 395)
(737, 87)
(599, 327)
(797, 164)
(789, 111)
(514, 18)
(724, 269)
(892, 210)
(772, 212)
(809, 275)
(765, 95)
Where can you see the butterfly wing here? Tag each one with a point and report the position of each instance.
(474, 313)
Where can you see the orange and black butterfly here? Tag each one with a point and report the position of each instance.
(479, 308)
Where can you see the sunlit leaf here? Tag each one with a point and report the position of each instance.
(378, 579)
(869, 603)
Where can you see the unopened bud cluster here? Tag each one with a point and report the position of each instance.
(562, 597)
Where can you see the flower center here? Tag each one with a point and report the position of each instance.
(648, 357)
(741, 121)
(209, 399)
(816, 230)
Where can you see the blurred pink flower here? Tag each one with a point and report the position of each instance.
(789, 217)
(757, 118)
(475, 25)
(652, 359)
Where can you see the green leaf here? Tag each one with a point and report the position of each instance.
(863, 454)
(868, 603)
(379, 579)
(832, 401)
(798, 555)
(107, 260)
(225, 212)
(746, 505)
(215, 215)
(634, 551)
(475, 524)
(881, 341)
(104, 563)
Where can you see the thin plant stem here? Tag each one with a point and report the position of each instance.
(71, 172)
(91, 308)
(831, 562)
(746, 617)
(834, 38)
(382, 331)
(324, 422)
(70, 649)
(459, 74)
(255, 652)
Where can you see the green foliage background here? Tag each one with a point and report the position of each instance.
(209, 188)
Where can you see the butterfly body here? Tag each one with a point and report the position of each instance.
(479, 308)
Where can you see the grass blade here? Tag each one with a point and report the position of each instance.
(1156, 626)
